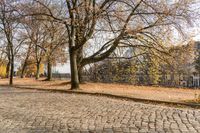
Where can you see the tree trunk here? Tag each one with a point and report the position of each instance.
(80, 74)
(25, 61)
(11, 70)
(80, 67)
(23, 69)
(49, 71)
(74, 70)
(8, 70)
(37, 71)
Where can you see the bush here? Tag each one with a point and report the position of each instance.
(2, 71)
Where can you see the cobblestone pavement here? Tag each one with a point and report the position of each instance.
(30, 111)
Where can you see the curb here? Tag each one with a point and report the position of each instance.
(148, 101)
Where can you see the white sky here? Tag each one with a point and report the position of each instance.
(62, 68)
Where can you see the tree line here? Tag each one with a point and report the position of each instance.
(148, 69)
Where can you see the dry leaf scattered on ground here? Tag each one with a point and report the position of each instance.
(145, 92)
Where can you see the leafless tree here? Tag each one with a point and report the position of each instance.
(127, 23)
(8, 26)
(55, 46)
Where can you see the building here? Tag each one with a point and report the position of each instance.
(189, 76)
(194, 77)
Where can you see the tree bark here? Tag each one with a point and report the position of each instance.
(8, 69)
(80, 67)
(25, 62)
(74, 70)
(23, 69)
(11, 70)
(37, 76)
(49, 70)
(80, 74)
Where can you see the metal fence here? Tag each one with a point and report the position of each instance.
(61, 76)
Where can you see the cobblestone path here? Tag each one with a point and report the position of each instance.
(30, 111)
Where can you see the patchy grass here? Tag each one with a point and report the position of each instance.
(144, 92)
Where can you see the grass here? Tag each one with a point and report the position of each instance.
(144, 92)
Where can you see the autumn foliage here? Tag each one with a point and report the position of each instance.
(2, 71)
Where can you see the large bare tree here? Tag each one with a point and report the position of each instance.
(127, 23)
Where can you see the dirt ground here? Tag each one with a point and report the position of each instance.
(144, 92)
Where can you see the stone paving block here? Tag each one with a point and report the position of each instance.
(28, 111)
